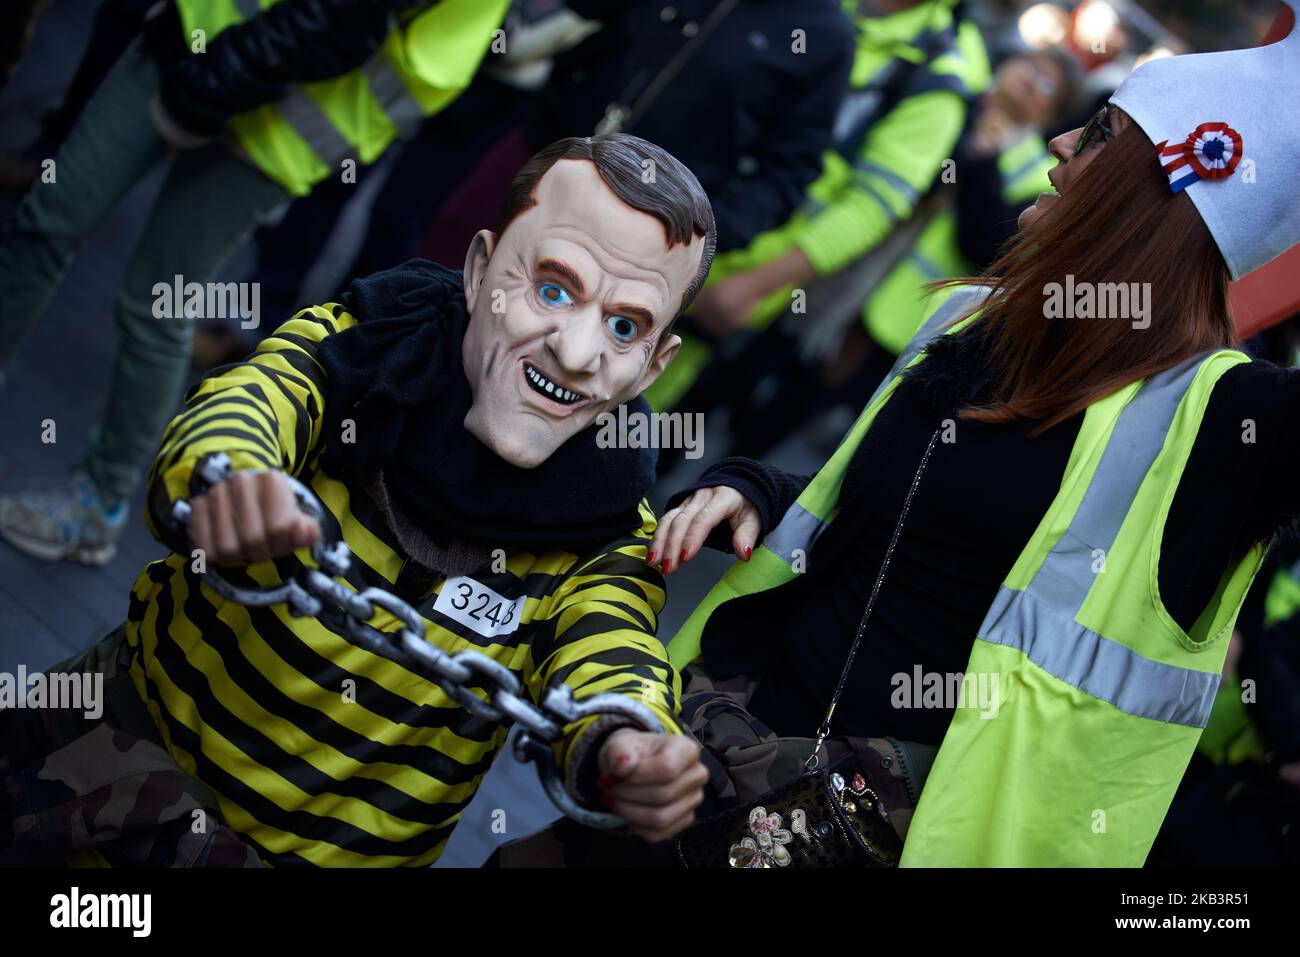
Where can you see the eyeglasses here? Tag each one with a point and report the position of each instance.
(1094, 126)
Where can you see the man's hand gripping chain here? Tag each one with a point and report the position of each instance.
(306, 593)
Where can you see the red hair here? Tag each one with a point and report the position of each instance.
(1119, 223)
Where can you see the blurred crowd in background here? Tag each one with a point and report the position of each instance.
(854, 150)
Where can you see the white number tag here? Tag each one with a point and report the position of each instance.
(478, 607)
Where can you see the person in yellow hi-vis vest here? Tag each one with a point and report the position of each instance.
(1002, 607)
(917, 65)
(262, 100)
(1001, 167)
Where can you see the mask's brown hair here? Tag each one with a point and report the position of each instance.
(673, 196)
(1119, 223)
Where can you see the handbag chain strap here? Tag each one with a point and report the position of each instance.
(824, 731)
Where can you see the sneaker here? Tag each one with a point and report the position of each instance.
(65, 521)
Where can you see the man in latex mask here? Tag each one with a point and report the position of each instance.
(448, 425)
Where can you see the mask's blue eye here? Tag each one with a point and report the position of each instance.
(622, 327)
(554, 295)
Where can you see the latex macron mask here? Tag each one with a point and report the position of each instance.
(567, 308)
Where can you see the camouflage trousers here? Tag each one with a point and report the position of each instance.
(745, 759)
(104, 791)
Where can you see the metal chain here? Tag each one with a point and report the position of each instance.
(308, 594)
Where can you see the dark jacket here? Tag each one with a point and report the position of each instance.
(978, 502)
(747, 114)
(254, 62)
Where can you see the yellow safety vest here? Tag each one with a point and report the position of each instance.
(871, 193)
(1102, 696)
(425, 63)
(897, 307)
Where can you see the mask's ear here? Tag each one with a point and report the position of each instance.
(476, 264)
(659, 362)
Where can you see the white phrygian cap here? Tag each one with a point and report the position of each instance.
(1253, 213)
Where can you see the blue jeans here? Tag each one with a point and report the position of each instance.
(209, 204)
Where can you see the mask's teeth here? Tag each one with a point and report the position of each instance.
(559, 393)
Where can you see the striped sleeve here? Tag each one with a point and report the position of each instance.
(264, 412)
(899, 160)
(600, 637)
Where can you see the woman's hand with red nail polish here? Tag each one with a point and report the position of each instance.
(682, 530)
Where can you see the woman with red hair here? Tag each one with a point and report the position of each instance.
(1014, 583)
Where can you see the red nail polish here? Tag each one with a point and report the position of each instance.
(650, 558)
(604, 782)
(749, 550)
(682, 559)
(668, 565)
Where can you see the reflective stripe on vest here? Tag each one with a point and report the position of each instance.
(865, 167)
(925, 267)
(310, 122)
(386, 85)
(1040, 621)
(905, 53)
(800, 528)
(797, 531)
(1023, 170)
(301, 111)
(426, 60)
(1101, 694)
(1018, 181)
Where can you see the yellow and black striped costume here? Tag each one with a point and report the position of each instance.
(320, 752)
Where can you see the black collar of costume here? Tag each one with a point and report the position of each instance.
(957, 370)
(398, 375)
